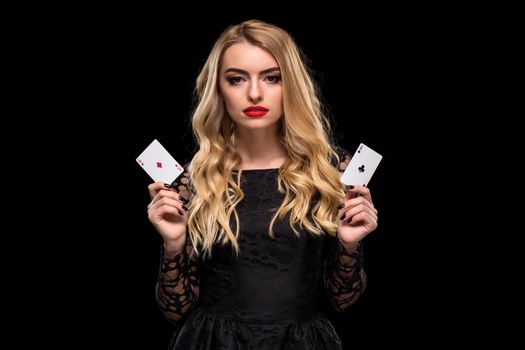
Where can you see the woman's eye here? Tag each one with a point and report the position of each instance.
(273, 78)
(234, 80)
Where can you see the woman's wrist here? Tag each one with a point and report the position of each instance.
(174, 248)
(349, 246)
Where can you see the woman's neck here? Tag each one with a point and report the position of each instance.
(260, 150)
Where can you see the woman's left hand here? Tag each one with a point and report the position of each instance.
(360, 216)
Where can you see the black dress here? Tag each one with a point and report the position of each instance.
(268, 297)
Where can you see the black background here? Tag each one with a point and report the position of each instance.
(435, 89)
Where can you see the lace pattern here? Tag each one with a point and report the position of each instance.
(344, 278)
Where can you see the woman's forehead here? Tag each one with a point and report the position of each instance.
(247, 57)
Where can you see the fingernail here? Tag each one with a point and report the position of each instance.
(184, 207)
(342, 217)
(183, 199)
(167, 185)
(181, 213)
(350, 187)
(341, 206)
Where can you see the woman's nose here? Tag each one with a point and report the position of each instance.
(255, 95)
(256, 99)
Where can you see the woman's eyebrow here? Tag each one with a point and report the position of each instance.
(242, 71)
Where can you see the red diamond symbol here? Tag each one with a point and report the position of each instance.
(159, 165)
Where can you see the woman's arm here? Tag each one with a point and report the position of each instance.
(344, 276)
(177, 289)
(345, 279)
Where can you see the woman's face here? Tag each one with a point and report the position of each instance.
(250, 84)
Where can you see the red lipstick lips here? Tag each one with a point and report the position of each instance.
(255, 111)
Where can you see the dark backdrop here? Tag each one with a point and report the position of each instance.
(434, 89)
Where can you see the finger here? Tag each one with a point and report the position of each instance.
(348, 201)
(365, 220)
(354, 210)
(163, 211)
(350, 193)
(160, 200)
(183, 199)
(173, 189)
(169, 201)
(353, 202)
(371, 212)
(182, 190)
(343, 213)
(361, 200)
(154, 188)
(363, 208)
(168, 194)
(363, 191)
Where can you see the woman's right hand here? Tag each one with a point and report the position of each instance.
(167, 213)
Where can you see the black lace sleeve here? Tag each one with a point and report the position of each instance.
(344, 276)
(177, 289)
(183, 184)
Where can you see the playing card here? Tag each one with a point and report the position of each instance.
(159, 164)
(362, 166)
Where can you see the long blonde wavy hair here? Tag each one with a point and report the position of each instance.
(308, 175)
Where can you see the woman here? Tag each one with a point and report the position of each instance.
(259, 226)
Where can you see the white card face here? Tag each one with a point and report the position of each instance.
(159, 164)
(362, 166)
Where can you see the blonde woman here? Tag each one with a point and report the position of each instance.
(259, 226)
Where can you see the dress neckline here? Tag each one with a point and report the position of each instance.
(267, 169)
